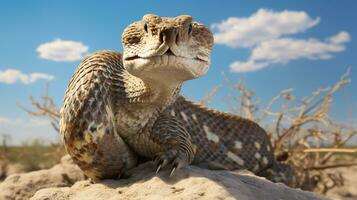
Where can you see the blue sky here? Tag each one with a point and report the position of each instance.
(271, 45)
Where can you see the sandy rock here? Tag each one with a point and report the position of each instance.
(23, 186)
(7, 168)
(189, 183)
(15, 168)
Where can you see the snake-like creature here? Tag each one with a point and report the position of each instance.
(118, 107)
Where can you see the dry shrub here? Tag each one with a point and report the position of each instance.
(38, 154)
(44, 107)
(301, 131)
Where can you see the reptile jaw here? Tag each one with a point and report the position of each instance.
(131, 58)
(167, 63)
(161, 51)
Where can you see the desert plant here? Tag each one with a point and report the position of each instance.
(44, 107)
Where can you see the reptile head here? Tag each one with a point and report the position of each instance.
(167, 48)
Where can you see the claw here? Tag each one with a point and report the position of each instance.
(159, 165)
(172, 171)
(158, 168)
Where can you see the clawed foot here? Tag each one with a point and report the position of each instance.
(174, 158)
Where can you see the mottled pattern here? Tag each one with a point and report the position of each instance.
(87, 123)
(223, 139)
(227, 141)
(115, 109)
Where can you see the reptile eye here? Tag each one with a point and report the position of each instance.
(190, 28)
(146, 27)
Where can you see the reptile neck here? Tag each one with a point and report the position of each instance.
(162, 92)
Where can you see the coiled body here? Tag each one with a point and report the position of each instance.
(119, 107)
(108, 118)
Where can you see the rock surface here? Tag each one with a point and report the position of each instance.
(189, 183)
(24, 186)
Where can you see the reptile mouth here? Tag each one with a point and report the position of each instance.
(132, 58)
(167, 53)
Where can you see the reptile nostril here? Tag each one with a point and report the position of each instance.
(177, 39)
(161, 37)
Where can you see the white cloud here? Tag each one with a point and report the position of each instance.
(268, 35)
(261, 26)
(62, 50)
(283, 50)
(11, 76)
(341, 37)
(249, 66)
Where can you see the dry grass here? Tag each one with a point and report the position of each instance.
(301, 131)
(35, 155)
(28, 156)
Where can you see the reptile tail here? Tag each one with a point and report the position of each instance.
(280, 173)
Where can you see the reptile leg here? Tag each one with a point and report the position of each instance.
(168, 142)
(176, 144)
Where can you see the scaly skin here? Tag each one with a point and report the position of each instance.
(226, 141)
(116, 108)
